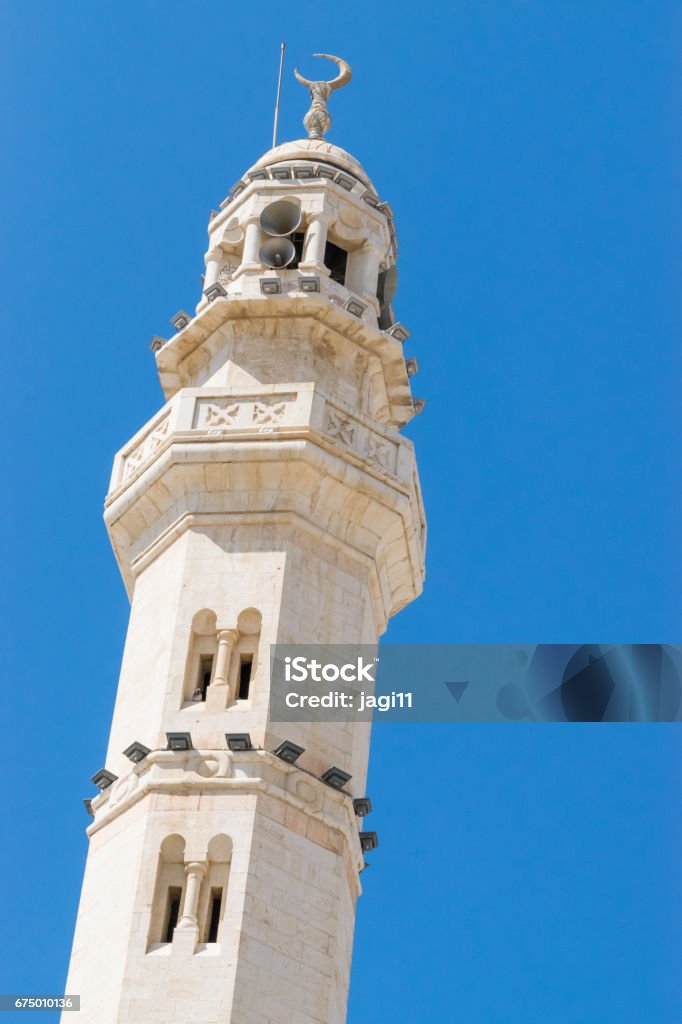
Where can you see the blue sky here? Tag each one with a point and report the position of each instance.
(530, 151)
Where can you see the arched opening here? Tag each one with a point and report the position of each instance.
(246, 653)
(201, 657)
(214, 892)
(169, 892)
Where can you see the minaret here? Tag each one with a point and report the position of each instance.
(272, 499)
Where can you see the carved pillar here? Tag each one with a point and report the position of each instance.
(195, 871)
(363, 271)
(315, 242)
(252, 237)
(218, 693)
(213, 260)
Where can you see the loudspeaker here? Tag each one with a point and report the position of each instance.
(280, 218)
(277, 252)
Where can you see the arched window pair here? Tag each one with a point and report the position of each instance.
(222, 657)
(190, 894)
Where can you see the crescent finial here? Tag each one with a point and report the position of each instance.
(317, 121)
(345, 70)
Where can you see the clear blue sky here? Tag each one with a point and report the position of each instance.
(530, 150)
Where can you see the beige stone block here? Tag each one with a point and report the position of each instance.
(296, 821)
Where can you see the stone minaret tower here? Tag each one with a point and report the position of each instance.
(272, 499)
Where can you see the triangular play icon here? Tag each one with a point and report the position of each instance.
(457, 689)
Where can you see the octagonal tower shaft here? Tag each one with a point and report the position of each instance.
(272, 499)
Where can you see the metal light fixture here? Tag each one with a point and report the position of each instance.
(270, 286)
(157, 343)
(289, 751)
(237, 188)
(281, 173)
(335, 777)
(88, 807)
(354, 306)
(303, 173)
(215, 291)
(412, 366)
(399, 332)
(419, 404)
(103, 778)
(136, 752)
(238, 741)
(325, 172)
(309, 284)
(362, 805)
(259, 175)
(368, 841)
(180, 320)
(345, 181)
(370, 198)
(212, 215)
(179, 741)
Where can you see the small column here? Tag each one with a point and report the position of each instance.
(363, 271)
(252, 239)
(218, 693)
(186, 934)
(213, 260)
(195, 871)
(315, 242)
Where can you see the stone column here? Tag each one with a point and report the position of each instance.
(363, 271)
(186, 934)
(252, 241)
(218, 693)
(315, 242)
(213, 260)
(195, 871)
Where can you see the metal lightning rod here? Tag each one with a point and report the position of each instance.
(279, 93)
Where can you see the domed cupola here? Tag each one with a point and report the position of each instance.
(304, 230)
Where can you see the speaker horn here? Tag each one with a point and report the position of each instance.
(280, 218)
(277, 252)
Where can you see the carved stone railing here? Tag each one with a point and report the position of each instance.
(243, 414)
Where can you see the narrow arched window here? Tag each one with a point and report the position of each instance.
(169, 891)
(201, 657)
(214, 892)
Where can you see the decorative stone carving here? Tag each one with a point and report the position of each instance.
(157, 436)
(146, 447)
(268, 412)
(209, 766)
(376, 450)
(218, 415)
(340, 427)
(225, 273)
(122, 789)
(379, 452)
(222, 415)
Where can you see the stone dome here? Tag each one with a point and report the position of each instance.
(315, 151)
